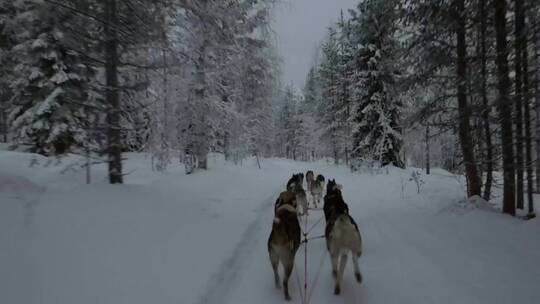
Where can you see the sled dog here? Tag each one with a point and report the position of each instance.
(285, 198)
(333, 201)
(317, 190)
(284, 241)
(296, 179)
(301, 198)
(310, 178)
(342, 236)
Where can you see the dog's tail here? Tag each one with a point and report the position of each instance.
(345, 233)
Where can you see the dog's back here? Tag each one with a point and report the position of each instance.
(285, 198)
(285, 229)
(343, 235)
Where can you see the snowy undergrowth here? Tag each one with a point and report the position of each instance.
(172, 238)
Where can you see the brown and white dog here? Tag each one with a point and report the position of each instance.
(295, 185)
(342, 235)
(284, 239)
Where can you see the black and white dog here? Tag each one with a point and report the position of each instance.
(342, 235)
(296, 179)
(333, 200)
(284, 239)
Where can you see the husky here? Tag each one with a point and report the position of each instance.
(285, 198)
(342, 236)
(317, 190)
(333, 201)
(296, 179)
(301, 198)
(284, 241)
(310, 178)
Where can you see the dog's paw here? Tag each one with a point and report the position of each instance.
(337, 290)
(358, 277)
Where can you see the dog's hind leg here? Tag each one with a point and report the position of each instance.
(274, 260)
(339, 279)
(357, 273)
(288, 264)
(334, 260)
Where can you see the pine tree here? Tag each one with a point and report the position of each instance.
(7, 13)
(329, 107)
(308, 108)
(51, 87)
(375, 112)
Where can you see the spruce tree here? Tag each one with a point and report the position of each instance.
(51, 91)
(375, 111)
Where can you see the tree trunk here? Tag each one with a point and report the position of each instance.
(428, 165)
(114, 145)
(505, 108)
(474, 182)
(336, 160)
(536, 42)
(518, 116)
(528, 136)
(164, 153)
(485, 102)
(3, 123)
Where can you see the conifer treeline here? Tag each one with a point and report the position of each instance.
(450, 83)
(166, 76)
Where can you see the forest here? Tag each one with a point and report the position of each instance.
(453, 84)
(155, 151)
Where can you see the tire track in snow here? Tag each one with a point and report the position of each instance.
(223, 281)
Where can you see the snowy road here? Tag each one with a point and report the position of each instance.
(172, 238)
(417, 249)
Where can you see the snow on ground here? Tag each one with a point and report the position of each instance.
(172, 238)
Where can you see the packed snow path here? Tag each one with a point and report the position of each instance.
(172, 238)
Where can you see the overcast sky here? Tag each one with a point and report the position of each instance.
(300, 26)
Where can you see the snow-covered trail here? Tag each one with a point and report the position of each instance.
(417, 249)
(172, 238)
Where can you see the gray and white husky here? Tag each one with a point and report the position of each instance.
(301, 198)
(342, 237)
(310, 178)
(317, 188)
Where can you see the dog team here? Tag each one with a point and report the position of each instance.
(341, 231)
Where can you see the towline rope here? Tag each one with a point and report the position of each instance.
(304, 297)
